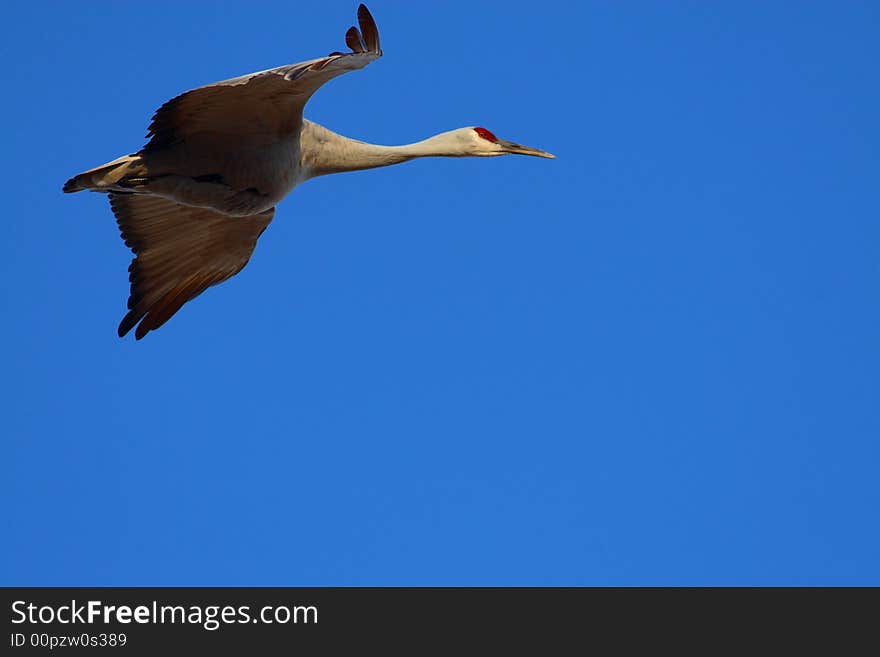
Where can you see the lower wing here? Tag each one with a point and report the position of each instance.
(180, 251)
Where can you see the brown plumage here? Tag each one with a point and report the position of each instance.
(180, 252)
(183, 249)
(193, 201)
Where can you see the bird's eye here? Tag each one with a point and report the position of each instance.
(485, 134)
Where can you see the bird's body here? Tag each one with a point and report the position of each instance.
(192, 203)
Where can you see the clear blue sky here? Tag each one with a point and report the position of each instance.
(653, 360)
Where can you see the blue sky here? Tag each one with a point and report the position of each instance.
(653, 360)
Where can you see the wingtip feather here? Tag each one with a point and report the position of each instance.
(353, 40)
(369, 30)
(131, 318)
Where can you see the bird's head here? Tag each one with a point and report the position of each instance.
(481, 142)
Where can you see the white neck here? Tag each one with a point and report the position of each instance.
(323, 151)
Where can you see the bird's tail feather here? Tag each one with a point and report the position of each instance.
(106, 177)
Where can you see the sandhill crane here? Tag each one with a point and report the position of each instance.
(193, 201)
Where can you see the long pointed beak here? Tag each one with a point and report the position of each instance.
(519, 149)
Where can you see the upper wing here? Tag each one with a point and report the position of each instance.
(180, 252)
(257, 109)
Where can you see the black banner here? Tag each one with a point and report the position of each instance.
(467, 620)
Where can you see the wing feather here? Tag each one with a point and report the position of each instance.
(368, 29)
(258, 108)
(180, 251)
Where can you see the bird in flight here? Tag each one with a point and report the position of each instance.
(192, 203)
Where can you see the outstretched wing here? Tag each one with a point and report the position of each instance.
(180, 252)
(257, 109)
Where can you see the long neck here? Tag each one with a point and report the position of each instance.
(324, 151)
